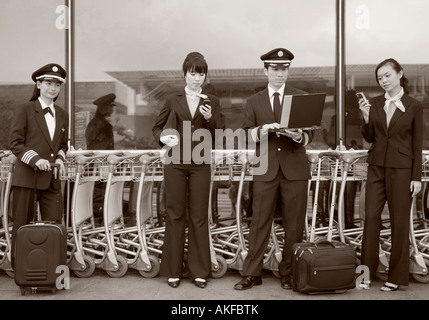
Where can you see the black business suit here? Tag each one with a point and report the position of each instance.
(185, 179)
(395, 159)
(29, 140)
(288, 171)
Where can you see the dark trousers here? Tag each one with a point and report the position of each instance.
(50, 202)
(186, 185)
(391, 185)
(294, 208)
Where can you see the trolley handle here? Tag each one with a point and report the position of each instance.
(85, 158)
(3, 154)
(330, 154)
(116, 158)
(313, 157)
(352, 157)
(10, 159)
(148, 159)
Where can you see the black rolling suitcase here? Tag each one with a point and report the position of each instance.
(40, 247)
(325, 265)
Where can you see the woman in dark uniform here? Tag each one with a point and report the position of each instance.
(38, 137)
(393, 123)
(187, 180)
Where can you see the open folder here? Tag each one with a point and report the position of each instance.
(303, 111)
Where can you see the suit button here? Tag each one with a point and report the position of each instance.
(52, 154)
(279, 149)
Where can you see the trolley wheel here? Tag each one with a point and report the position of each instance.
(89, 268)
(153, 272)
(122, 268)
(222, 267)
(421, 278)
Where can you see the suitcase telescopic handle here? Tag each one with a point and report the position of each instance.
(55, 167)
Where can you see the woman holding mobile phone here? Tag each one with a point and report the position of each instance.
(187, 181)
(393, 123)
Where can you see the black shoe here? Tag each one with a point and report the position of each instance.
(174, 284)
(201, 283)
(285, 281)
(248, 282)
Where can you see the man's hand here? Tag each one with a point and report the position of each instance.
(295, 134)
(268, 126)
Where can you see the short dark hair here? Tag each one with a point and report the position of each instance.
(195, 62)
(398, 68)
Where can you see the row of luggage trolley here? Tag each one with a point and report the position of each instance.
(116, 247)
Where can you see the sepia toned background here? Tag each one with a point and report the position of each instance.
(135, 48)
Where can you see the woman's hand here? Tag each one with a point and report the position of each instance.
(364, 107)
(170, 140)
(206, 111)
(415, 188)
(62, 170)
(43, 165)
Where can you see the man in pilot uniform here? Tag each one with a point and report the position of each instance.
(99, 136)
(99, 132)
(287, 171)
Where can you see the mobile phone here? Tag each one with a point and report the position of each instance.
(206, 101)
(361, 96)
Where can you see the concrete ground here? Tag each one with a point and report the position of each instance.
(133, 286)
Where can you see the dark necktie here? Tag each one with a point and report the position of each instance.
(277, 107)
(48, 109)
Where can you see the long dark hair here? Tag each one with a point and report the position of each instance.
(398, 68)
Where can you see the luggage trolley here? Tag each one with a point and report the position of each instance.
(84, 169)
(229, 241)
(353, 168)
(222, 171)
(7, 163)
(327, 169)
(118, 170)
(320, 174)
(131, 241)
(419, 232)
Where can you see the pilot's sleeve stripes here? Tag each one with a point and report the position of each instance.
(30, 154)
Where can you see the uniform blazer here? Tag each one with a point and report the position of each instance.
(400, 144)
(283, 152)
(29, 140)
(99, 134)
(176, 106)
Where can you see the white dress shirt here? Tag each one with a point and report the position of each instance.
(50, 120)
